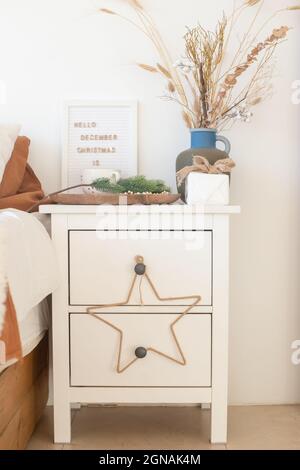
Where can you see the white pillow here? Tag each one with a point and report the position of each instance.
(8, 137)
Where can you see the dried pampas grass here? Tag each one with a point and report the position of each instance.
(252, 3)
(149, 68)
(210, 87)
(106, 10)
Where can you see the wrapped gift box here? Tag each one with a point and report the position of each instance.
(203, 188)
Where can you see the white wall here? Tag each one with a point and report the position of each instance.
(57, 49)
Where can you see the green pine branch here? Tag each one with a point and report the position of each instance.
(136, 184)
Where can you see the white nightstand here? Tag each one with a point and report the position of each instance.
(186, 250)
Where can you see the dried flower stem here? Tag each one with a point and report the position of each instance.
(154, 35)
(203, 93)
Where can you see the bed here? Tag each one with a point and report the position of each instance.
(27, 278)
(24, 384)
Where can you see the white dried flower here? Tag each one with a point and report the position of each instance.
(184, 65)
(241, 113)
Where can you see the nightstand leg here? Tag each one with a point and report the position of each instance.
(218, 423)
(205, 406)
(60, 334)
(62, 423)
(220, 331)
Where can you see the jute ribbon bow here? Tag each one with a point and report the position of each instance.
(202, 165)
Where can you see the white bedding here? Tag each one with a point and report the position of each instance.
(32, 330)
(30, 268)
(28, 261)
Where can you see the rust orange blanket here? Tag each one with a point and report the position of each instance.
(10, 343)
(19, 189)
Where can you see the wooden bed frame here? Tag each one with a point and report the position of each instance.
(23, 397)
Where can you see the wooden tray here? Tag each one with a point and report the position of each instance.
(114, 199)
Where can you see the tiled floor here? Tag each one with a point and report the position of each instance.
(108, 428)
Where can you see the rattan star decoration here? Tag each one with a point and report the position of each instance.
(141, 272)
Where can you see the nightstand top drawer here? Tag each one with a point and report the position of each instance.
(101, 266)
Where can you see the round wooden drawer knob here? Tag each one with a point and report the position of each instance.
(140, 269)
(141, 352)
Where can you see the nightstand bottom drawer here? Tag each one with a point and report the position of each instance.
(146, 346)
